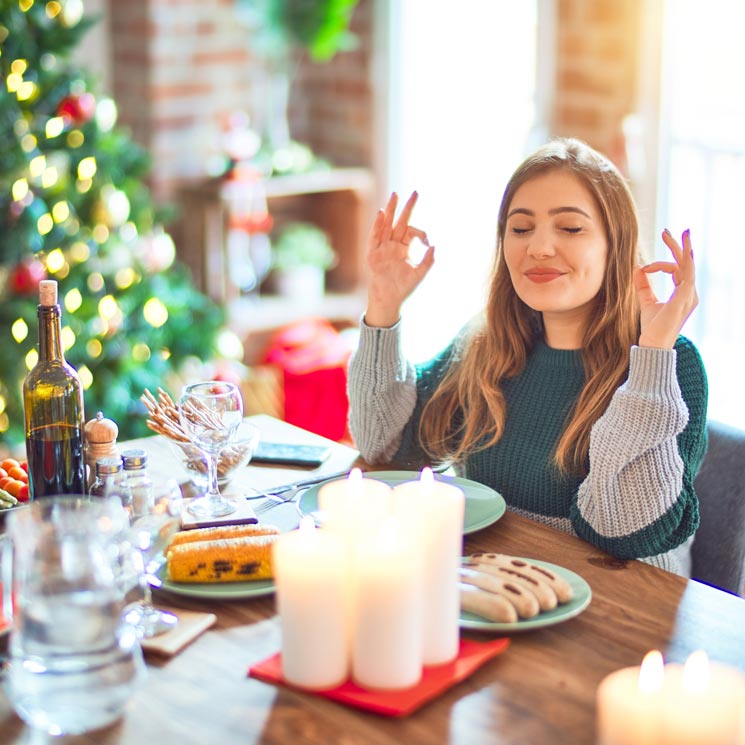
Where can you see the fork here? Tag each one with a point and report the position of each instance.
(278, 499)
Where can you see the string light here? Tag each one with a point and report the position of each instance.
(87, 168)
(75, 138)
(155, 313)
(141, 352)
(55, 260)
(86, 376)
(45, 224)
(55, 127)
(49, 178)
(19, 189)
(73, 300)
(94, 348)
(61, 211)
(19, 330)
(32, 357)
(68, 338)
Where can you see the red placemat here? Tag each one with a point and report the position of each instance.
(435, 680)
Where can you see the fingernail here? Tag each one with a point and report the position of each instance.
(687, 233)
(666, 232)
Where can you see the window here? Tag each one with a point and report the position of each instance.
(463, 108)
(701, 180)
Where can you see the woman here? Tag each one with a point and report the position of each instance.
(574, 395)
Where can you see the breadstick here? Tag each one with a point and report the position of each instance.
(541, 590)
(486, 604)
(525, 602)
(536, 572)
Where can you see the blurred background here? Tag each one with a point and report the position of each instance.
(234, 152)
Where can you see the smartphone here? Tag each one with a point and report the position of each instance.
(289, 454)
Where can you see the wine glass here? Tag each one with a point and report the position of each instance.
(151, 531)
(210, 414)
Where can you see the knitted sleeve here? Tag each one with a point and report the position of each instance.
(638, 498)
(387, 395)
(381, 386)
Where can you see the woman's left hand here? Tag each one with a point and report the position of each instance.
(661, 322)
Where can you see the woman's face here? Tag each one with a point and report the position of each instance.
(556, 247)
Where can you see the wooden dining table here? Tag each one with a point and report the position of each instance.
(540, 691)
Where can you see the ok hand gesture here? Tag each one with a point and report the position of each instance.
(392, 274)
(661, 322)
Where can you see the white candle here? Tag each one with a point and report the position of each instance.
(699, 704)
(628, 703)
(354, 505)
(387, 611)
(432, 511)
(312, 580)
(702, 703)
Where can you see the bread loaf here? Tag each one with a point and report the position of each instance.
(222, 554)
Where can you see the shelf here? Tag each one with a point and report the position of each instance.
(255, 319)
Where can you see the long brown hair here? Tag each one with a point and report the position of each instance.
(467, 411)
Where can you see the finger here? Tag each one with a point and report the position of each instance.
(643, 286)
(412, 232)
(390, 211)
(673, 245)
(427, 261)
(659, 266)
(377, 228)
(399, 231)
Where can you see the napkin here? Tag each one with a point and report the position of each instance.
(191, 624)
(435, 680)
(243, 515)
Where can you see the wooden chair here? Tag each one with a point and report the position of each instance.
(718, 553)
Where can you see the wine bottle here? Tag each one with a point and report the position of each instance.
(53, 407)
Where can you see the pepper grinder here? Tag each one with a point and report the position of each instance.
(100, 442)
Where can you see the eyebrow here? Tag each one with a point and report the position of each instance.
(554, 211)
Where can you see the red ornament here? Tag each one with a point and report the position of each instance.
(25, 277)
(77, 108)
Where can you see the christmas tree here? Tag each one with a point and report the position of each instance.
(74, 207)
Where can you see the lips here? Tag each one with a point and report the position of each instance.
(541, 276)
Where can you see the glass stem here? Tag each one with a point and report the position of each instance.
(213, 493)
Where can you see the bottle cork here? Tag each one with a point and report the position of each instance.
(48, 292)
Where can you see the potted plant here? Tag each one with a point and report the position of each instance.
(282, 31)
(300, 257)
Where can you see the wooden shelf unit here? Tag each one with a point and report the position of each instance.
(339, 201)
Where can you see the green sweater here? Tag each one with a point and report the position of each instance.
(638, 499)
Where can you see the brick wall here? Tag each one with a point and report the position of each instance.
(180, 66)
(596, 70)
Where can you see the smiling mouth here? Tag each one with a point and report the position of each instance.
(541, 276)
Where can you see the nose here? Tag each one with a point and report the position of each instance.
(540, 244)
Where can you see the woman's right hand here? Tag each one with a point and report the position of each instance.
(392, 275)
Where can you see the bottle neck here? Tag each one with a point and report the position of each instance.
(50, 333)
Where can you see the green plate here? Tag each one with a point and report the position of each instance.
(580, 601)
(216, 590)
(484, 506)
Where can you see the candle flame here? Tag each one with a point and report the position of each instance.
(426, 477)
(652, 672)
(355, 476)
(696, 672)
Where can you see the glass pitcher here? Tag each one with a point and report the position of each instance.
(73, 662)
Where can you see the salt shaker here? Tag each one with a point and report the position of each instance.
(140, 484)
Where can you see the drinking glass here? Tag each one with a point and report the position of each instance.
(73, 663)
(151, 532)
(210, 414)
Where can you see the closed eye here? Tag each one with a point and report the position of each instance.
(521, 231)
(572, 230)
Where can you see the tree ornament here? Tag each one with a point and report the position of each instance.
(25, 276)
(77, 108)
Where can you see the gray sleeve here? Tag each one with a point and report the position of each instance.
(636, 470)
(382, 392)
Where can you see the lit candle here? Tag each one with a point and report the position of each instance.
(699, 704)
(311, 577)
(387, 611)
(628, 703)
(433, 512)
(354, 505)
(702, 703)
